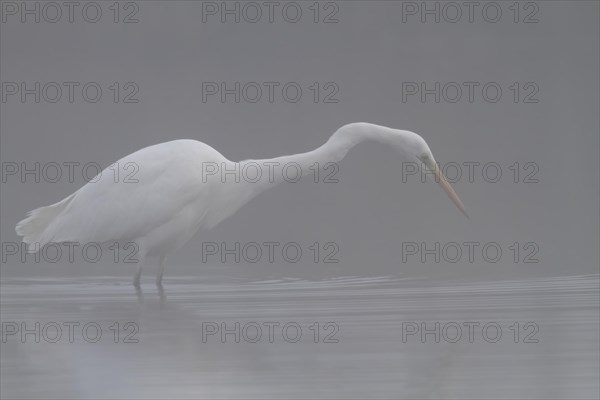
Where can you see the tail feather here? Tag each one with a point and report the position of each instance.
(34, 228)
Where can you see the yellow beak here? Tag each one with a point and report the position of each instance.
(441, 179)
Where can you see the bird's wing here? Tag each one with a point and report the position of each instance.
(115, 208)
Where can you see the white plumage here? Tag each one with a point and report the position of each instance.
(174, 196)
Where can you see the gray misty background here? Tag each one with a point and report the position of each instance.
(368, 53)
(370, 293)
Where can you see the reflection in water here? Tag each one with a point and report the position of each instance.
(189, 345)
(161, 293)
(160, 290)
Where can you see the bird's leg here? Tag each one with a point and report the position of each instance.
(138, 272)
(139, 293)
(161, 271)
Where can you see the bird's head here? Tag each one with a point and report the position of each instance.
(412, 146)
(416, 150)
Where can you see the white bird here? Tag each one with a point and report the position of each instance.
(184, 185)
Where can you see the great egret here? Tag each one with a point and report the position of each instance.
(178, 192)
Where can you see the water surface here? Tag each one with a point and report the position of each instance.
(361, 353)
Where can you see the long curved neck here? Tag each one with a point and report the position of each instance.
(287, 168)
